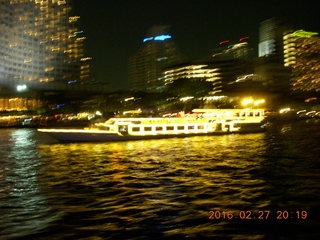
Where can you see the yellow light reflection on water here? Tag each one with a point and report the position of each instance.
(193, 156)
(137, 180)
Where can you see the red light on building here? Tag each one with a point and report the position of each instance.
(224, 42)
(244, 38)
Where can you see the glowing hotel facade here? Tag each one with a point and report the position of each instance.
(301, 55)
(39, 42)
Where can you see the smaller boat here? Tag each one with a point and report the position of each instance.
(200, 122)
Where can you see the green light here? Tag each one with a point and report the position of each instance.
(302, 33)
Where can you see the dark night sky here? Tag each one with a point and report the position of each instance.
(115, 28)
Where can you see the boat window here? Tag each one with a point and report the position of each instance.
(237, 114)
(123, 129)
(170, 128)
(257, 114)
(251, 114)
(180, 127)
(243, 114)
(200, 127)
(159, 128)
(190, 127)
(136, 122)
(147, 129)
(135, 129)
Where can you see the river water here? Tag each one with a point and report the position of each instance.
(178, 188)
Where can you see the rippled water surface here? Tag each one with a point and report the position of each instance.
(161, 189)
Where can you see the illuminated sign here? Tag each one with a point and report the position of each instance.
(157, 38)
(302, 33)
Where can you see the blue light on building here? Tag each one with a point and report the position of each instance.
(157, 38)
(147, 39)
(74, 81)
(162, 37)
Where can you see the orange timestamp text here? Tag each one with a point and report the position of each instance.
(259, 215)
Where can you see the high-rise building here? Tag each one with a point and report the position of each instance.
(193, 71)
(233, 50)
(146, 66)
(269, 68)
(39, 41)
(301, 55)
(196, 71)
(224, 74)
(234, 59)
(270, 38)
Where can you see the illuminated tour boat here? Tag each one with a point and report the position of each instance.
(200, 122)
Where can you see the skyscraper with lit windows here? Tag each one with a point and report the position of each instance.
(39, 41)
(269, 68)
(301, 55)
(270, 38)
(147, 65)
(227, 49)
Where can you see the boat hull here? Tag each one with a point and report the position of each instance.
(83, 136)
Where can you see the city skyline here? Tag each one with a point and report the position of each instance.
(116, 31)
